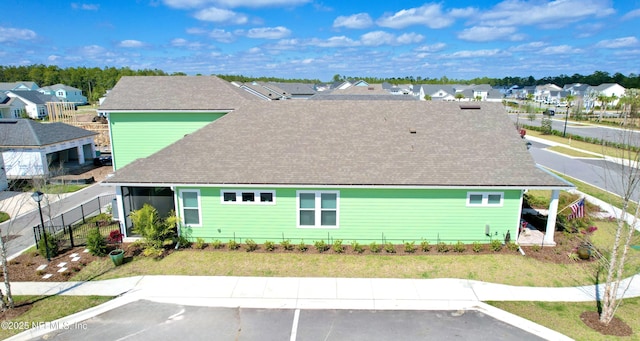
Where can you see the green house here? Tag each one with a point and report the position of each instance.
(388, 171)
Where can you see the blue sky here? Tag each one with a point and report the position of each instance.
(318, 39)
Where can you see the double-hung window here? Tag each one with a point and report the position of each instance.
(484, 198)
(318, 209)
(191, 207)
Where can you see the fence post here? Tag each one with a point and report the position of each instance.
(71, 235)
(99, 206)
(82, 211)
(36, 233)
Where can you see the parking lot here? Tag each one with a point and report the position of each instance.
(147, 320)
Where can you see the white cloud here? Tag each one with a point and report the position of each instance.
(546, 14)
(53, 58)
(489, 33)
(185, 4)
(16, 34)
(85, 7)
(221, 35)
(618, 43)
(377, 38)
(559, 49)
(429, 15)
(475, 53)
(633, 14)
(528, 47)
(221, 16)
(431, 48)
(357, 21)
(409, 38)
(269, 32)
(92, 50)
(131, 43)
(181, 42)
(340, 41)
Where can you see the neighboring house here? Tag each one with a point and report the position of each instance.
(349, 170)
(32, 149)
(436, 92)
(494, 95)
(264, 91)
(374, 92)
(148, 113)
(33, 103)
(64, 93)
(29, 86)
(5, 108)
(296, 90)
(4, 183)
(613, 91)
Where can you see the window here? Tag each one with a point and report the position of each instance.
(191, 207)
(484, 199)
(248, 197)
(318, 209)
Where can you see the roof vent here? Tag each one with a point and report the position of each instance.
(412, 131)
(371, 88)
(470, 106)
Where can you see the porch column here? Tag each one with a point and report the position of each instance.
(551, 219)
(120, 209)
(80, 151)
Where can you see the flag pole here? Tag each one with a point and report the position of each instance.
(571, 204)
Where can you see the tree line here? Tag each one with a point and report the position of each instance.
(94, 82)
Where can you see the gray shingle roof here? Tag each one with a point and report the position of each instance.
(35, 96)
(349, 143)
(27, 133)
(175, 93)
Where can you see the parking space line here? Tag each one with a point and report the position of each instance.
(294, 328)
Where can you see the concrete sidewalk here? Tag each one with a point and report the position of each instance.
(316, 293)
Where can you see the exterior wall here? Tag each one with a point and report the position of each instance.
(4, 184)
(136, 135)
(24, 163)
(365, 215)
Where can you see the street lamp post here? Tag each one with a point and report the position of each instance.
(566, 116)
(37, 197)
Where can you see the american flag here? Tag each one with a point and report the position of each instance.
(577, 209)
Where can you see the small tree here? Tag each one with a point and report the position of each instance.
(155, 230)
(96, 243)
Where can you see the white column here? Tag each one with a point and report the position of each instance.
(80, 154)
(551, 219)
(120, 209)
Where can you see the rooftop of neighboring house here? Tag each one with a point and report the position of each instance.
(342, 143)
(4, 86)
(16, 133)
(35, 96)
(59, 86)
(178, 93)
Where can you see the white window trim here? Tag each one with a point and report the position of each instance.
(256, 193)
(182, 207)
(485, 199)
(317, 209)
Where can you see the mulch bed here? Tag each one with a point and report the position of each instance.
(24, 268)
(616, 327)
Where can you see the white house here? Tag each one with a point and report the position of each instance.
(32, 149)
(33, 103)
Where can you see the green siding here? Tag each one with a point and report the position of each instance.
(135, 135)
(365, 215)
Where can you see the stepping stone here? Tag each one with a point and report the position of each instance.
(73, 255)
(46, 276)
(41, 267)
(62, 270)
(62, 264)
(75, 259)
(86, 251)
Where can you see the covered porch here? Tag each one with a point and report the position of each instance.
(129, 199)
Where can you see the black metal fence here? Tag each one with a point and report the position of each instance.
(71, 228)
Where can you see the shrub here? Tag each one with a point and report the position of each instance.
(357, 247)
(199, 244)
(302, 247)
(4, 216)
(269, 245)
(286, 245)
(425, 246)
(374, 247)
(389, 247)
(476, 247)
(511, 246)
(409, 247)
(320, 245)
(251, 245)
(442, 247)
(153, 229)
(52, 245)
(496, 245)
(459, 247)
(153, 251)
(337, 246)
(217, 244)
(233, 245)
(115, 236)
(183, 242)
(96, 243)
